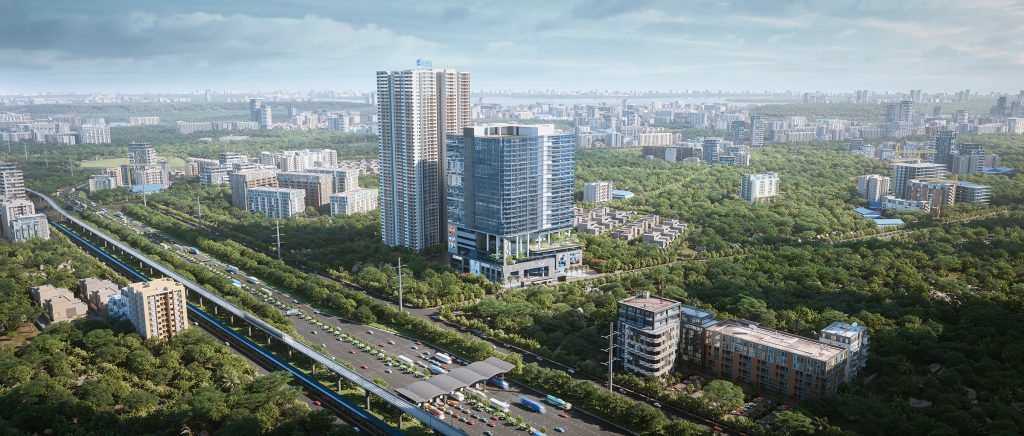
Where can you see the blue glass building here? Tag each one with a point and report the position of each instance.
(509, 202)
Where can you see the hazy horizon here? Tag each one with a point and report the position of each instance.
(127, 46)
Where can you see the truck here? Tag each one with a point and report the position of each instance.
(291, 312)
(558, 402)
(499, 383)
(405, 360)
(253, 280)
(477, 393)
(437, 369)
(457, 396)
(535, 406)
(235, 282)
(500, 405)
(232, 269)
(443, 358)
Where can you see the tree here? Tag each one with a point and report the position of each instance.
(723, 396)
(792, 423)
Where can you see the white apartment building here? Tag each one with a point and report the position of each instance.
(354, 201)
(276, 203)
(598, 192)
(873, 187)
(93, 134)
(342, 179)
(416, 110)
(759, 188)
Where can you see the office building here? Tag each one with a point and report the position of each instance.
(773, 360)
(647, 335)
(416, 110)
(967, 192)
(12, 183)
(354, 201)
(854, 339)
(241, 181)
(276, 203)
(597, 192)
(58, 304)
(93, 134)
(945, 144)
(97, 294)
(141, 153)
(873, 187)
(756, 131)
(759, 188)
(903, 173)
(710, 150)
(99, 182)
(157, 308)
(342, 179)
(510, 202)
(318, 187)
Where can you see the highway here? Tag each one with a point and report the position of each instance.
(358, 380)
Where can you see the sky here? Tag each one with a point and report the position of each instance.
(245, 45)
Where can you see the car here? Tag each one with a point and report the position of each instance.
(571, 371)
(387, 371)
(313, 331)
(351, 351)
(365, 367)
(339, 339)
(419, 343)
(559, 429)
(323, 345)
(718, 428)
(316, 402)
(463, 419)
(391, 342)
(488, 433)
(470, 422)
(415, 347)
(369, 332)
(564, 414)
(456, 416)
(380, 344)
(492, 424)
(656, 404)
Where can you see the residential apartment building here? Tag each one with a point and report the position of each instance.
(416, 110)
(242, 181)
(157, 308)
(873, 187)
(97, 294)
(12, 181)
(773, 360)
(711, 149)
(342, 179)
(510, 201)
(93, 134)
(143, 121)
(20, 222)
(141, 153)
(598, 192)
(99, 182)
(937, 193)
(901, 204)
(647, 335)
(903, 173)
(195, 166)
(693, 323)
(854, 339)
(759, 188)
(318, 187)
(276, 203)
(756, 131)
(354, 201)
(967, 192)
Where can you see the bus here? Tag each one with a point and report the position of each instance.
(443, 358)
(500, 405)
(437, 369)
(436, 412)
(476, 393)
(558, 402)
(405, 360)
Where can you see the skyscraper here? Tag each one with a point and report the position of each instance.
(510, 202)
(711, 148)
(416, 110)
(945, 143)
(756, 131)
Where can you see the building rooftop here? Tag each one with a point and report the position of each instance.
(865, 212)
(972, 185)
(155, 286)
(649, 303)
(843, 329)
(750, 332)
(919, 165)
(695, 312)
(882, 222)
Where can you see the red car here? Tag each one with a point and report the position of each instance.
(316, 402)
(351, 351)
(563, 415)
(365, 367)
(491, 424)
(470, 423)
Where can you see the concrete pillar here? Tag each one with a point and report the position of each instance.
(314, 366)
(269, 339)
(367, 401)
(339, 383)
(201, 302)
(400, 420)
(250, 330)
(289, 352)
(215, 310)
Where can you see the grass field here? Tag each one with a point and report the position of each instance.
(176, 163)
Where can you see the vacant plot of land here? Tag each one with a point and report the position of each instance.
(176, 163)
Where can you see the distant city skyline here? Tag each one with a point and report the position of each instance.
(124, 46)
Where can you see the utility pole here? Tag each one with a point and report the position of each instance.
(278, 222)
(399, 284)
(611, 356)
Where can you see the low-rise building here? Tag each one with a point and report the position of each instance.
(354, 201)
(97, 293)
(902, 204)
(58, 304)
(967, 192)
